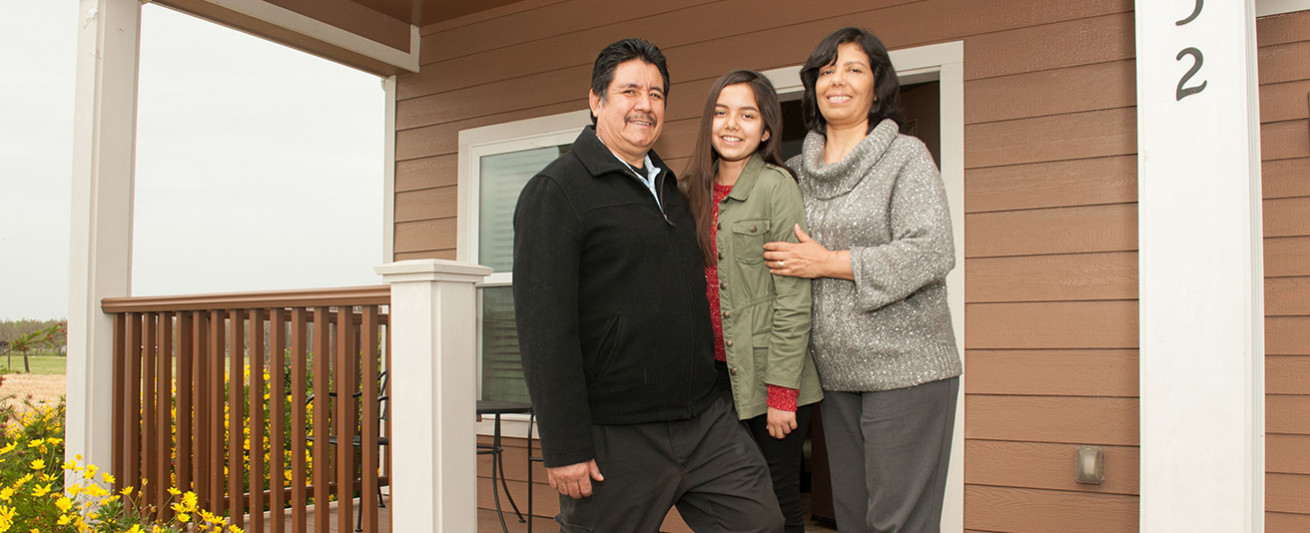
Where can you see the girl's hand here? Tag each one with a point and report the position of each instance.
(781, 422)
(805, 259)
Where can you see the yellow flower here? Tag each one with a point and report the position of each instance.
(127, 491)
(183, 517)
(107, 477)
(174, 491)
(235, 529)
(38, 464)
(41, 490)
(64, 519)
(189, 500)
(8, 447)
(70, 465)
(64, 504)
(90, 472)
(36, 443)
(136, 528)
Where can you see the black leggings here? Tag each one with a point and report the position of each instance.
(782, 455)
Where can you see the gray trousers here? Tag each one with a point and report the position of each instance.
(708, 466)
(888, 452)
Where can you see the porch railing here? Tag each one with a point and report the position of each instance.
(256, 402)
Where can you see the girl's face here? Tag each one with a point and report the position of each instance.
(738, 128)
(845, 89)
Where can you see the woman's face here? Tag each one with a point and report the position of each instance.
(845, 88)
(738, 129)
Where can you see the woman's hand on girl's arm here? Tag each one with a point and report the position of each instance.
(806, 259)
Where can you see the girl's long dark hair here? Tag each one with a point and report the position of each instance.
(698, 178)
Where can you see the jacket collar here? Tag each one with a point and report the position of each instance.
(746, 181)
(599, 160)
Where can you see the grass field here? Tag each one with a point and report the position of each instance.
(41, 364)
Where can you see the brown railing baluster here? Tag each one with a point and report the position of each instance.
(134, 400)
(345, 417)
(322, 419)
(200, 430)
(299, 354)
(217, 353)
(119, 461)
(256, 470)
(368, 402)
(276, 417)
(236, 418)
(148, 474)
(185, 382)
(163, 413)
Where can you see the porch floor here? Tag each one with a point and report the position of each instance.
(487, 522)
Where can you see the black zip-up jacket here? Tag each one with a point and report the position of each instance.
(609, 298)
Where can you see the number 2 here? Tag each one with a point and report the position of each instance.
(1182, 91)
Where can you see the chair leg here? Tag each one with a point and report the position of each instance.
(501, 459)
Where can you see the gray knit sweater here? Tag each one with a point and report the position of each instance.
(885, 202)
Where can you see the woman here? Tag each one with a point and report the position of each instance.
(742, 196)
(879, 255)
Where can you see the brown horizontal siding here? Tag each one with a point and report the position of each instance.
(1110, 372)
(1051, 325)
(1284, 454)
(1287, 414)
(1287, 374)
(1051, 138)
(415, 205)
(1289, 139)
(1093, 87)
(1046, 466)
(427, 173)
(1012, 509)
(1287, 296)
(1054, 419)
(1287, 493)
(1104, 228)
(1096, 181)
(1284, 101)
(1284, 64)
(1287, 178)
(1094, 276)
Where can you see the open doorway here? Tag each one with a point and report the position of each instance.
(920, 105)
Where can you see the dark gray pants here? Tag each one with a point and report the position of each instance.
(888, 452)
(708, 466)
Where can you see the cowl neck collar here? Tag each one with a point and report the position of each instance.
(832, 180)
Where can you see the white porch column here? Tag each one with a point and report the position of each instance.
(104, 140)
(434, 358)
(1201, 286)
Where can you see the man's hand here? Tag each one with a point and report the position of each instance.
(574, 480)
(780, 422)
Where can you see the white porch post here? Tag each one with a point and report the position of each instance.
(433, 321)
(104, 141)
(1201, 286)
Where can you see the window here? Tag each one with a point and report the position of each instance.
(494, 164)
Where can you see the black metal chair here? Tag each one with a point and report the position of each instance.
(494, 408)
(531, 459)
(384, 401)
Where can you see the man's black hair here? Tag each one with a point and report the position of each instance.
(602, 73)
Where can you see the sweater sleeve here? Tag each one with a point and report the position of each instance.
(922, 248)
(789, 337)
(546, 258)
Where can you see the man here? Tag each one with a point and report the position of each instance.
(614, 328)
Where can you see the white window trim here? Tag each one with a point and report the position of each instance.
(943, 63)
(1265, 8)
(474, 144)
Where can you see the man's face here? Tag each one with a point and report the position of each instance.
(631, 116)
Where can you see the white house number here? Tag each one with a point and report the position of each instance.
(1183, 90)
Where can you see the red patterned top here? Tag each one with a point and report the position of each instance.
(779, 397)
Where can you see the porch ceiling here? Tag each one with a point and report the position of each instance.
(425, 12)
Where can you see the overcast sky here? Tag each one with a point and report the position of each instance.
(258, 167)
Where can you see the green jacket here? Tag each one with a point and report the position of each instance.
(766, 318)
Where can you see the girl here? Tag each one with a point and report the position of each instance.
(742, 196)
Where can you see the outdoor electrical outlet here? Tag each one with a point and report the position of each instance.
(1089, 465)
